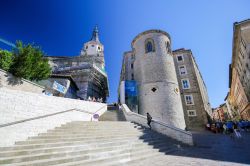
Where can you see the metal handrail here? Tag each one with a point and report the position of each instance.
(43, 116)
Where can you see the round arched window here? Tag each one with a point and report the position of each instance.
(149, 46)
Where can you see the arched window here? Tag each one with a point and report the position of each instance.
(168, 47)
(149, 46)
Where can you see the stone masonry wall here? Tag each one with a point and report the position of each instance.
(156, 78)
(193, 76)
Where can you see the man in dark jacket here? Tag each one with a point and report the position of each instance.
(149, 118)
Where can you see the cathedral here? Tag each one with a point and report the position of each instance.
(86, 69)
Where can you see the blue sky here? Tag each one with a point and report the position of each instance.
(61, 27)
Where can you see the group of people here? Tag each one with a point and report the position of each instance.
(230, 127)
(100, 100)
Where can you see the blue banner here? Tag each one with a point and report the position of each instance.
(130, 88)
(59, 87)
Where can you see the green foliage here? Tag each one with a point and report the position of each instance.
(29, 63)
(6, 59)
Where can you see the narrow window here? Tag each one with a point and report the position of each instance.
(149, 46)
(168, 47)
(132, 65)
(189, 100)
(132, 76)
(179, 58)
(191, 112)
(182, 70)
(185, 84)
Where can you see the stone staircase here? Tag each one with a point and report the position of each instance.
(112, 114)
(103, 143)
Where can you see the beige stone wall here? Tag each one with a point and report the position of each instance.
(196, 88)
(7, 80)
(128, 60)
(239, 95)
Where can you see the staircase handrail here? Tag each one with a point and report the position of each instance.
(47, 115)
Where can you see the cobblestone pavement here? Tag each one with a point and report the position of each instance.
(210, 150)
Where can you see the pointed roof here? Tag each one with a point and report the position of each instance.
(95, 36)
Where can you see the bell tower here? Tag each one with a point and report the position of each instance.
(94, 49)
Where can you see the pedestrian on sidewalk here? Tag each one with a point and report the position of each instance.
(236, 130)
(149, 119)
(224, 129)
(230, 129)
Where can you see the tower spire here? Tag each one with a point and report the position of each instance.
(95, 36)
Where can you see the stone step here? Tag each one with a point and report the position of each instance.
(120, 159)
(104, 122)
(104, 142)
(70, 135)
(58, 133)
(159, 160)
(31, 157)
(100, 124)
(61, 136)
(98, 128)
(91, 157)
(88, 147)
(87, 130)
(92, 133)
(96, 138)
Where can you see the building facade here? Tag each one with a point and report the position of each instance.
(87, 69)
(239, 71)
(152, 68)
(128, 83)
(193, 90)
(171, 91)
(221, 113)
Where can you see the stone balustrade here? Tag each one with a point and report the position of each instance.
(170, 131)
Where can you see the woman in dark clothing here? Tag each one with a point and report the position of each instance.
(149, 119)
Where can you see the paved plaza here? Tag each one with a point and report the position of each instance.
(210, 149)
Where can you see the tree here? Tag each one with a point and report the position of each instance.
(6, 59)
(29, 62)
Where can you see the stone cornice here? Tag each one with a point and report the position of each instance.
(150, 31)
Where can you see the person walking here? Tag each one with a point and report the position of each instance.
(230, 129)
(149, 119)
(224, 129)
(236, 130)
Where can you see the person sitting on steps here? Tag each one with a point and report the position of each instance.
(149, 119)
